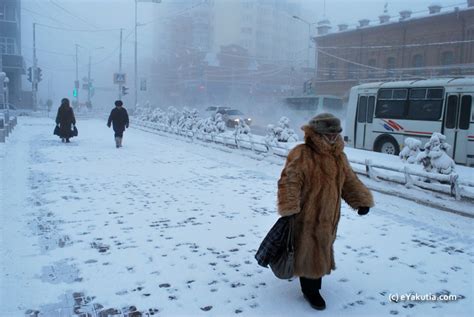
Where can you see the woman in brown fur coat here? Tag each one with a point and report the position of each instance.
(315, 177)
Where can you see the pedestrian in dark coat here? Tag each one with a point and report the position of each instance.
(65, 119)
(119, 120)
(316, 176)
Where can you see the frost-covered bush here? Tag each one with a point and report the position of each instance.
(241, 128)
(280, 133)
(411, 150)
(212, 124)
(188, 119)
(435, 158)
(172, 117)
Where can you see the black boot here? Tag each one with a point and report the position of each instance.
(310, 289)
(67, 141)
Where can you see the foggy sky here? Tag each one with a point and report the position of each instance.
(56, 48)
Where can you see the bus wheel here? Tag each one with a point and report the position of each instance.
(387, 145)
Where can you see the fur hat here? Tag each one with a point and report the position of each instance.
(325, 123)
(119, 103)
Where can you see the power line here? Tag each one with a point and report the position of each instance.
(76, 30)
(72, 14)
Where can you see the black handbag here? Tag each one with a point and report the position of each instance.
(56, 130)
(283, 266)
(74, 131)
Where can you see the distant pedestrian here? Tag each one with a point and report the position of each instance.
(316, 176)
(119, 120)
(65, 120)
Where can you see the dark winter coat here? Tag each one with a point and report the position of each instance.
(315, 177)
(65, 118)
(119, 119)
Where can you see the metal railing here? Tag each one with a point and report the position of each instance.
(450, 184)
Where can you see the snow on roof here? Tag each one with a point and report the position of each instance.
(395, 21)
(445, 81)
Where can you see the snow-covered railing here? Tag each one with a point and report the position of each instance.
(446, 184)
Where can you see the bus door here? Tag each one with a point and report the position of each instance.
(457, 124)
(363, 135)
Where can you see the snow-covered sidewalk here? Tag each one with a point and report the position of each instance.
(167, 227)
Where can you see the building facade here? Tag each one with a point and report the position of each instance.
(12, 62)
(438, 43)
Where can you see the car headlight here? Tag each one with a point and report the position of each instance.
(236, 120)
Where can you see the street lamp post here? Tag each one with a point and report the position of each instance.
(309, 37)
(136, 48)
(89, 79)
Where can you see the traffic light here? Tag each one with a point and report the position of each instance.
(74, 92)
(39, 74)
(124, 90)
(29, 74)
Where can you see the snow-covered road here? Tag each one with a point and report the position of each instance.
(166, 227)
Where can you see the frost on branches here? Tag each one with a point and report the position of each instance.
(213, 124)
(188, 119)
(280, 133)
(411, 150)
(241, 128)
(434, 158)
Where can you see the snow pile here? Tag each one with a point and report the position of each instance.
(411, 150)
(434, 158)
(280, 133)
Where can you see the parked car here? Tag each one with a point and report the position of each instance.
(233, 116)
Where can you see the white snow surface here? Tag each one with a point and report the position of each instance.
(172, 227)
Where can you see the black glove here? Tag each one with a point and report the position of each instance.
(363, 211)
(108, 124)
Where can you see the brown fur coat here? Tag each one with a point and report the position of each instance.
(316, 176)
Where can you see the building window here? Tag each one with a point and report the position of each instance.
(332, 71)
(7, 13)
(246, 30)
(447, 58)
(417, 63)
(7, 45)
(390, 65)
(371, 71)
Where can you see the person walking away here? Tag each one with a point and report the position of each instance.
(316, 176)
(119, 119)
(65, 119)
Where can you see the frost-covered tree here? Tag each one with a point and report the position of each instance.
(411, 150)
(188, 119)
(280, 133)
(212, 124)
(435, 158)
(172, 116)
(241, 128)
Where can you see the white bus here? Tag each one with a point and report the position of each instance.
(380, 116)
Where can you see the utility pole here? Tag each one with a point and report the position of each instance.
(89, 82)
(136, 57)
(120, 65)
(34, 77)
(76, 83)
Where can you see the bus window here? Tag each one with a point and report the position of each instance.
(435, 93)
(429, 110)
(425, 104)
(419, 93)
(385, 93)
(362, 109)
(465, 112)
(370, 109)
(451, 111)
(391, 103)
(400, 94)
